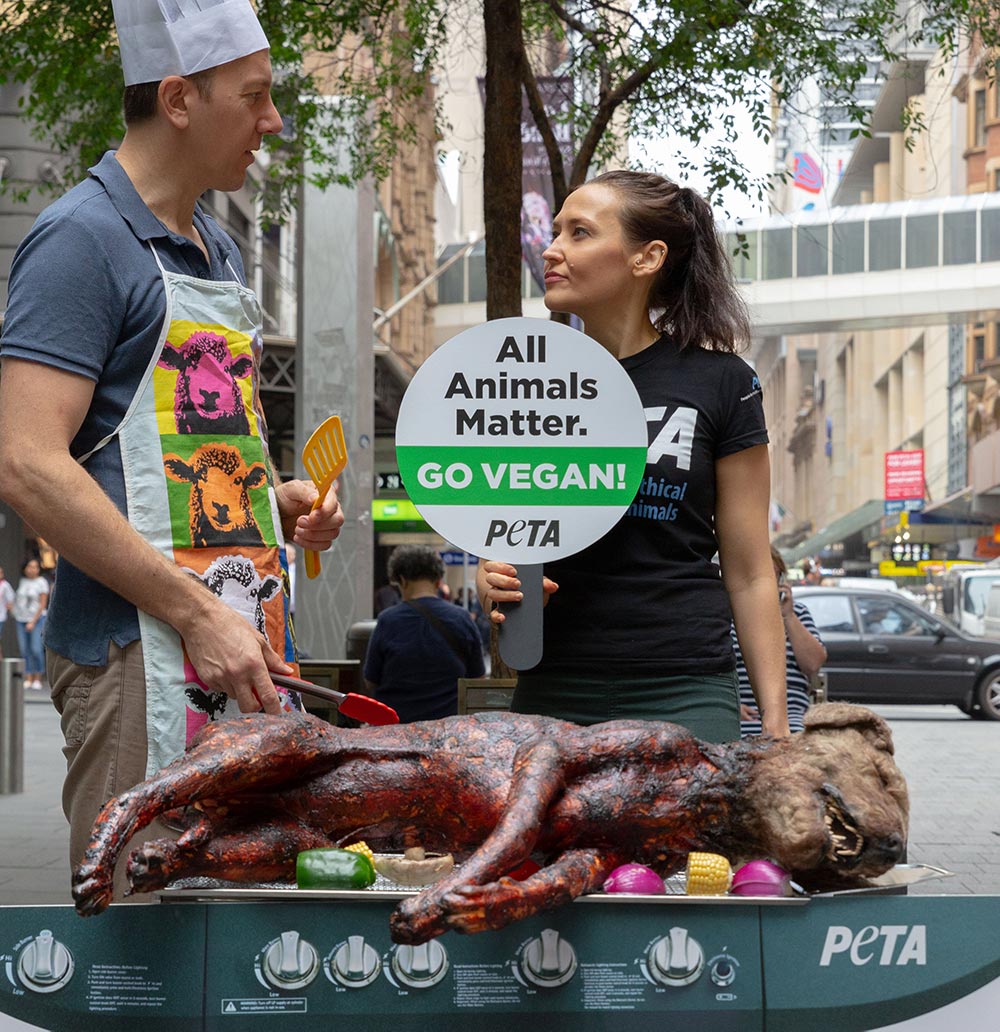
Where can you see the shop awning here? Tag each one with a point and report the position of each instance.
(960, 515)
(865, 516)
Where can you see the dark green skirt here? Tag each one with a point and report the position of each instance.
(708, 705)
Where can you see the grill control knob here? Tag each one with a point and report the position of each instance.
(722, 971)
(549, 960)
(290, 962)
(45, 964)
(676, 959)
(420, 966)
(355, 963)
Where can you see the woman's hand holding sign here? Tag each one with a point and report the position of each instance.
(498, 582)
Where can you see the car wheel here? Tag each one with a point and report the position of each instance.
(988, 696)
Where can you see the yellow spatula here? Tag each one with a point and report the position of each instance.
(324, 457)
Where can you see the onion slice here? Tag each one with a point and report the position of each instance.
(762, 878)
(635, 879)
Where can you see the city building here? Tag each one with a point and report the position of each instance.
(837, 401)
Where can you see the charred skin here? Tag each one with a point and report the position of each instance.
(495, 789)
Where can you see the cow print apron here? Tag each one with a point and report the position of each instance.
(200, 489)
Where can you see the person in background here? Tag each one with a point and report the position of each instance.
(637, 624)
(30, 606)
(421, 646)
(131, 436)
(805, 654)
(385, 596)
(6, 602)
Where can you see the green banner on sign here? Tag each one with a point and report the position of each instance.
(475, 475)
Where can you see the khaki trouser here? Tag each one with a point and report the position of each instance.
(103, 712)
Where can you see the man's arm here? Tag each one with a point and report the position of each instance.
(41, 409)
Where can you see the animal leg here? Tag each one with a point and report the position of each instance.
(240, 850)
(226, 757)
(536, 780)
(480, 908)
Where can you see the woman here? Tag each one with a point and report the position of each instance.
(424, 644)
(30, 605)
(637, 625)
(805, 653)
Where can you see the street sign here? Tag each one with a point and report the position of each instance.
(904, 474)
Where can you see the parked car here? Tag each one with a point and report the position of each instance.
(882, 648)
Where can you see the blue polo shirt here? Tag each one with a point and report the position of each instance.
(87, 296)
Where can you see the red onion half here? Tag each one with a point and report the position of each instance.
(761, 878)
(635, 879)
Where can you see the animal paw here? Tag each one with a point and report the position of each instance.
(92, 889)
(415, 920)
(482, 908)
(150, 867)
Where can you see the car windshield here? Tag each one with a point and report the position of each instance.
(976, 591)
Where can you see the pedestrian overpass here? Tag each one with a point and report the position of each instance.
(871, 266)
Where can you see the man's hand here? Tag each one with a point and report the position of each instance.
(314, 531)
(231, 656)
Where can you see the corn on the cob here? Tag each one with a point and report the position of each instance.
(708, 874)
(364, 849)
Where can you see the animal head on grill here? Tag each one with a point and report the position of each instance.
(831, 804)
(495, 789)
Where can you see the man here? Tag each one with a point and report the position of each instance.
(424, 644)
(130, 430)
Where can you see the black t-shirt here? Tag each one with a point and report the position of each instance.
(647, 599)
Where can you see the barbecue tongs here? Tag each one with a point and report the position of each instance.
(358, 707)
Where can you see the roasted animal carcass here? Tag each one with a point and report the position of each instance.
(494, 789)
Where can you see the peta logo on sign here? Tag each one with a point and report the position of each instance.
(887, 945)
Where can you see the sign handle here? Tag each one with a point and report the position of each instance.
(519, 639)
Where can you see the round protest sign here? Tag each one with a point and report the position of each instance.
(521, 440)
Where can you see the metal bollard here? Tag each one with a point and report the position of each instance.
(11, 726)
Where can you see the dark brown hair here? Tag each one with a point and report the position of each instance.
(695, 289)
(139, 100)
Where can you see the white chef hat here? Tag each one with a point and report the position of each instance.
(158, 38)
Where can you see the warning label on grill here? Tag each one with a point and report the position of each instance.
(264, 1005)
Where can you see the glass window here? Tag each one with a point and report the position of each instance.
(811, 251)
(742, 251)
(921, 241)
(883, 616)
(979, 118)
(777, 247)
(990, 228)
(831, 613)
(883, 244)
(848, 247)
(451, 283)
(477, 276)
(959, 237)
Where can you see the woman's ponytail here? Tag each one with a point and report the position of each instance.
(694, 292)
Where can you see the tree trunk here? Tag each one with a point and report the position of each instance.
(502, 179)
(502, 157)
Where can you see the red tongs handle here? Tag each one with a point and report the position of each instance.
(357, 707)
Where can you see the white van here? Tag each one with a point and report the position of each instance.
(964, 594)
(991, 617)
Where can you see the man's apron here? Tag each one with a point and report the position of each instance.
(200, 489)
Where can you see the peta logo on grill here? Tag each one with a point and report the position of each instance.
(886, 944)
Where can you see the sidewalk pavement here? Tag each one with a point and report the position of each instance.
(949, 762)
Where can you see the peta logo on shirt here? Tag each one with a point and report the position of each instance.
(755, 389)
(675, 437)
(888, 945)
